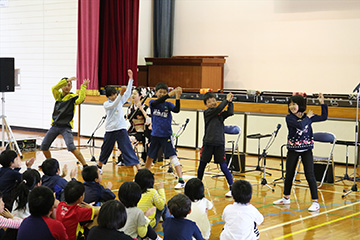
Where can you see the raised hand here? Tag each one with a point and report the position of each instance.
(64, 171)
(108, 185)
(73, 173)
(178, 92)
(130, 74)
(159, 185)
(229, 97)
(71, 79)
(29, 162)
(150, 211)
(310, 114)
(86, 82)
(321, 98)
(6, 214)
(122, 90)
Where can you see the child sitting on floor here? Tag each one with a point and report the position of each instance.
(94, 191)
(30, 179)
(241, 218)
(52, 179)
(6, 218)
(39, 225)
(194, 189)
(74, 212)
(10, 175)
(179, 227)
(137, 223)
(112, 216)
(151, 197)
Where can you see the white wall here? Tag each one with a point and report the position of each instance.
(42, 37)
(274, 45)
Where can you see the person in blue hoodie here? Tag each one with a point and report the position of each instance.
(94, 191)
(52, 179)
(300, 142)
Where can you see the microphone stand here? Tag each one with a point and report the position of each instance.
(264, 155)
(92, 137)
(354, 186)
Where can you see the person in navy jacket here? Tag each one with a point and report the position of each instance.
(300, 143)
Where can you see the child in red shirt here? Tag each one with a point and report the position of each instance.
(74, 212)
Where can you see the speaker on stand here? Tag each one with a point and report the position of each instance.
(7, 75)
(7, 84)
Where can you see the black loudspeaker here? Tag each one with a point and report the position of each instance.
(7, 75)
(319, 169)
(236, 164)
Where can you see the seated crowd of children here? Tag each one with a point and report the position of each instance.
(88, 210)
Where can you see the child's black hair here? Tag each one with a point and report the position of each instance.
(73, 191)
(41, 200)
(179, 206)
(112, 215)
(145, 179)
(209, 95)
(139, 89)
(129, 194)
(194, 189)
(30, 178)
(241, 190)
(110, 91)
(161, 85)
(90, 173)
(7, 157)
(300, 101)
(50, 166)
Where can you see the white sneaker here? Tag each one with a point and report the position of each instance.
(100, 171)
(179, 185)
(159, 238)
(315, 206)
(228, 194)
(282, 201)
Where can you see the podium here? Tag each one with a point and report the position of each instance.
(187, 71)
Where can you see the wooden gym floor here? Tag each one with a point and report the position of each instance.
(339, 218)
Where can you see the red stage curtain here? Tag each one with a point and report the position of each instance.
(118, 41)
(88, 44)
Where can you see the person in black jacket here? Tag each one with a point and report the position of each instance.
(214, 138)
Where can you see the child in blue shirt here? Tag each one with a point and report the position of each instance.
(52, 179)
(161, 134)
(179, 227)
(94, 191)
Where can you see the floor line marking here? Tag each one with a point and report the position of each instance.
(316, 226)
(310, 216)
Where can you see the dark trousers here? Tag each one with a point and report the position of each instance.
(122, 138)
(307, 160)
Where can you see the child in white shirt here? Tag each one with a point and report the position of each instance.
(241, 218)
(194, 189)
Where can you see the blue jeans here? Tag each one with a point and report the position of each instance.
(55, 131)
(163, 213)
